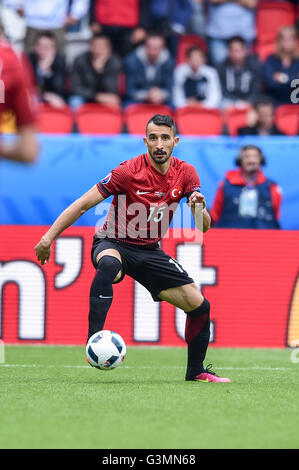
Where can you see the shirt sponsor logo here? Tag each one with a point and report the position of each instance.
(142, 192)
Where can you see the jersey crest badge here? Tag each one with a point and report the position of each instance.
(176, 192)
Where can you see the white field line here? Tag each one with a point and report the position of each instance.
(69, 366)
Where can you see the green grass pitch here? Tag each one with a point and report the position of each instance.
(51, 398)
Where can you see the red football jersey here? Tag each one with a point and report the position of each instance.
(144, 200)
(14, 93)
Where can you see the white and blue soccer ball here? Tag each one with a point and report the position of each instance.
(105, 350)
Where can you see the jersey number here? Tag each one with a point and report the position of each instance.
(158, 215)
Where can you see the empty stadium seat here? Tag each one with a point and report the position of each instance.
(54, 120)
(270, 17)
(235, 118)
(186, 41)
(199, 121)
(137, 115)
(287, 118)
(93, 118)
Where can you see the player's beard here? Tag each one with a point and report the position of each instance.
(160, 157)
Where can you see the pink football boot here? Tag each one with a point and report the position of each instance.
(209, 376)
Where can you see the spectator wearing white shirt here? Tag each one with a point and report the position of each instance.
(196, 83)
(48, 15)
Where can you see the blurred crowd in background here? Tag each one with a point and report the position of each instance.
(199, 53)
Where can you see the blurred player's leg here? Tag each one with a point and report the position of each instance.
(101, 291)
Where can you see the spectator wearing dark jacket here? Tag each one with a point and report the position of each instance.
(170, 18)
(282, 67)
(262, 118)
(95, 75)
(49, 69)
(239, 75)
(149, 71)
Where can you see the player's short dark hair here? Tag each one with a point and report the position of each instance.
(238, 160)
(163, 120)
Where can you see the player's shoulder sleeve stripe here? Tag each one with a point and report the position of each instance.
(104, 191)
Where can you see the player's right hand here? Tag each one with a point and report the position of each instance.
(43, 251)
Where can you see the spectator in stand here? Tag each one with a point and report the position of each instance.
(125, 22)
(262, 120)
(247, 198)
(95, 74)
(170, 18)
(197, 21)
(227, 19)
(282, 67)
(239, 75)
(149, 73)
(196, 83)
(49, 15)
(49, 69)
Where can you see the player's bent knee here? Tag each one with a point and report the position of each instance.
(110, 264)
(108, 252)
(193, 297)
(186, 297)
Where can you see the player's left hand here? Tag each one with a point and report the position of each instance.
(43, 251)
(197, 198)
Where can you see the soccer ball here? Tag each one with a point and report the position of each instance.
(105, 350)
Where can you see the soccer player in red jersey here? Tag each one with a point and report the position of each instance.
(14, 98)
(153, 184)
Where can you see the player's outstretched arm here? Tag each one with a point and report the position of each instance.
(24, 149)
(201, 216)
(65, 220)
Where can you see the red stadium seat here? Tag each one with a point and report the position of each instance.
(235, 118)
(270, 17)
(264, 49)
(199, 121)
(93, 118)
(137, 115)
(287, 118)
(54, 120)
(186, 41)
